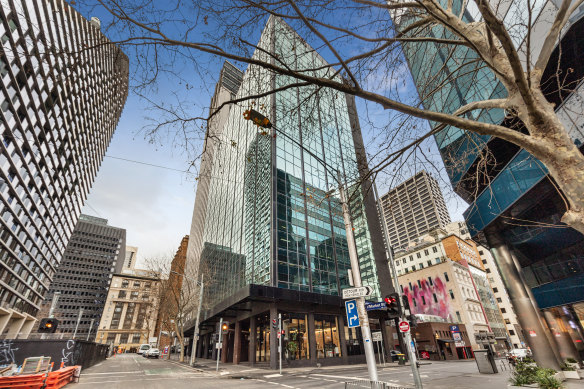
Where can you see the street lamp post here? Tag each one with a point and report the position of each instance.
(264, 122)
(196, 332)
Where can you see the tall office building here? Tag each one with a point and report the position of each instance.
(94, 252)
(511, 185)
(413, 208)
(273, 236)
(131, 257)
(63, 87)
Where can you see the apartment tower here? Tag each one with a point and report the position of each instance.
(94, 252)
(63, 87)
(413, 208)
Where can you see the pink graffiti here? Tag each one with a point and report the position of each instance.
(425, 303)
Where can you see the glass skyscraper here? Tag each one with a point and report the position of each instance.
(510, 194)
(273, 229)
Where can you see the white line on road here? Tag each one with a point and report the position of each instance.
(116, 372)
(246, 370)
(287, 386)
(272, 375)
(336, 376)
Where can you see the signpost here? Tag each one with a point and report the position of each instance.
(361, 291)
(352, 315)
(404, 326)
(375, 306)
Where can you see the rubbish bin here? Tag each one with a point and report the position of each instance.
(401, 359)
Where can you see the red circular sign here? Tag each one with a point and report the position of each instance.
(404, 326)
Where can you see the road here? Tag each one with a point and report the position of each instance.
(131, 371)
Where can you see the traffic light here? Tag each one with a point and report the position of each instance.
(257, 118)
(48, 325)
(275, 323)
(225, 328)
(393, 305)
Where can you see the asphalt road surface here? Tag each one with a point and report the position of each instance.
(131, 371)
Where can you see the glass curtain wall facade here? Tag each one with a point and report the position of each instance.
(268, 210)
(517, 185)
(63, 86)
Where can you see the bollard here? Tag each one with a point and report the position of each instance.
(401, 359)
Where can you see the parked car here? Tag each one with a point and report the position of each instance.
(153, 353)
(394, 355)
(520, 353)
(143, 348)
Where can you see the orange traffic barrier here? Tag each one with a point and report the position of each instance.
(31, 381)
(59, 378)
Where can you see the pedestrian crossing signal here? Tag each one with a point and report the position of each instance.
(48, 325)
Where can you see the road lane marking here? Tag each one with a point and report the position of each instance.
(337, 376)
(245, 371)
(272, 375)
(116, 372)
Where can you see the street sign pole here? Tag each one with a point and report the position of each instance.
(363, 317)
(280, 339)
(389, 253)
(220, 342)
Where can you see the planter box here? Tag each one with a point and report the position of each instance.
(571, 375)
(574, 365)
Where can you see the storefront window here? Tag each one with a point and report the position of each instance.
(327, 336)
(354, 341)
(295, 343)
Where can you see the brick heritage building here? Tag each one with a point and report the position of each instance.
(172, 286)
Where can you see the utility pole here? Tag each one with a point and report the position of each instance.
(280, 339)
(219, 343)
(90, 327)
(407, 335)
(196, 334)
(363, 316)
(56, 296)
(78, 320)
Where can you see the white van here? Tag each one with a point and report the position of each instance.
(143, 348)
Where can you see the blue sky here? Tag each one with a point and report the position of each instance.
(155, 205)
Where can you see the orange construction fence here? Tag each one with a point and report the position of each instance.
(51, 380)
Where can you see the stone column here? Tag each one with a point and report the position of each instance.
(225, 348)
(560, 333)
(525, 309)
(205, 350)
(312, 338)
(387, 338)
(252, 340)
(343, 340)
(273, 337)
(237, 343)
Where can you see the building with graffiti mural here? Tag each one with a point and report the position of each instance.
(445, 282)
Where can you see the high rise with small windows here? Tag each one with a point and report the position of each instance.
(95, 251)
(63, 86)
(413, 208)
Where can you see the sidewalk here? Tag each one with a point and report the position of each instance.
(470, 378)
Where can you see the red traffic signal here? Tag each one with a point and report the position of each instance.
(393, 305)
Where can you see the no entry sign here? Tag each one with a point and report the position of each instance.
(404, 326)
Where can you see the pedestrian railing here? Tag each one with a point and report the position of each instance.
(360, 384)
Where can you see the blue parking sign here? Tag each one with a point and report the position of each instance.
(352, 314)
